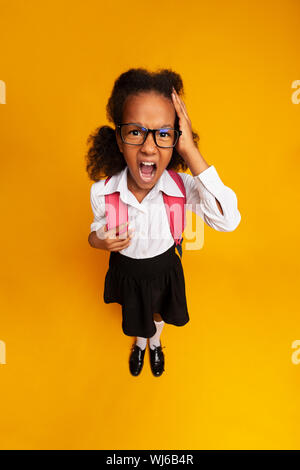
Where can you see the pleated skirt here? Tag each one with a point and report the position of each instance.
(146, 286)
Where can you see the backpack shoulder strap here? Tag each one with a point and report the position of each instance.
(175, 208)
(115, 210)
(178, 180)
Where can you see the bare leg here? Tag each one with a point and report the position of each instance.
(157, 317)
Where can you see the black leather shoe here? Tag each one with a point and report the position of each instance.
(136, 359)
(157, 360)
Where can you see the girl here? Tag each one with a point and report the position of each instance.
(135, 162)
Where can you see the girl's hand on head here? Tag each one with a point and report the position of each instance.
(110, 241)
(185, 144)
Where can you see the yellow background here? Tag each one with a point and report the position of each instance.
(230, 382)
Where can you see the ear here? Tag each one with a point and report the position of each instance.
(119, 140)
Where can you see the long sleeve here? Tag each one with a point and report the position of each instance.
(98, 208)
(201, 193)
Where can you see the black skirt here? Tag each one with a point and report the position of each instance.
(146, 286)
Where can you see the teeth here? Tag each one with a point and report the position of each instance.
(148, 163)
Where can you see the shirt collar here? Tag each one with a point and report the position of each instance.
(167, 185)
(118, 182)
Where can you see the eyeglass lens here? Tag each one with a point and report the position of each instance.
(134, 134)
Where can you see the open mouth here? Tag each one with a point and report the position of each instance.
(147, 171)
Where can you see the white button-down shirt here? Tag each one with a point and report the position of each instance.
(152, 235)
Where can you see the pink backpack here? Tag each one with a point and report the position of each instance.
(116, 211)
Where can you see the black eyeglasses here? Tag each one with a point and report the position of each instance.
(134, 134)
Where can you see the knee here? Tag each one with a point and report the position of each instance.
(157, 317)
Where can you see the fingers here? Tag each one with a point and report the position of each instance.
(114, 241)
(120, 247)
(185, 110)
(115, 232)
(176, 98)
(119, 241)
(176, 101)
(178, 107)
(117, 245)
(179, 104)
(103, 233)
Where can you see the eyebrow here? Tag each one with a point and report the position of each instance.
(164, 125)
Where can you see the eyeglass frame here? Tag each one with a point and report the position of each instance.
(179, 133)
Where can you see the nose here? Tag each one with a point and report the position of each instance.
(149, 145)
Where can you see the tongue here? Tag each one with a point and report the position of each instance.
(146, 169)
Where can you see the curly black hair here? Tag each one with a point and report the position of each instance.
(104, 157)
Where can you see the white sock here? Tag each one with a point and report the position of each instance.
(155, 339)
(141, 342)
